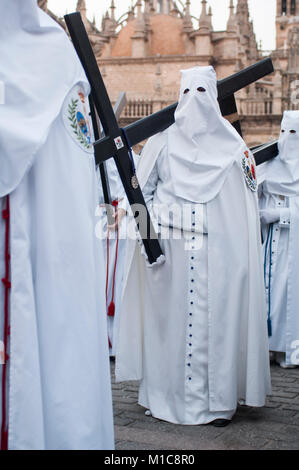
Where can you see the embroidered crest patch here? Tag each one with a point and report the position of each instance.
(76, 118)
(249, 170)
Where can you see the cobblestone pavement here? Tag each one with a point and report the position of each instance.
(276, 426)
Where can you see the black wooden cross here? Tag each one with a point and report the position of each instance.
(98, 133)
(102, 166)
(265, 152)
(119, 148)
(157, 122)
(117, 141)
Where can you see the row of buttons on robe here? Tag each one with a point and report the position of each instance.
(285, 222)
(280, 203)
(191, 297)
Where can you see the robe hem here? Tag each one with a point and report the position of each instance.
(222, 415)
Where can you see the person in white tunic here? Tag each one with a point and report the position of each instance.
(193, 329)
(114, 246)
(55, 383)
(279, 211)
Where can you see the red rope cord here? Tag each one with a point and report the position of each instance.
(111, 306)
(107, 279)
(115, 263)
(7, 285)
(107, 270)
(115, 205)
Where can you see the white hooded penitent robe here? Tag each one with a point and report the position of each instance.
(57, 374)
(279, 211)
(193, 329)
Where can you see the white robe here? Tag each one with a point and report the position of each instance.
(281, 258)
(229, 343)
(59, 391)
(59, 380)
(279, 210)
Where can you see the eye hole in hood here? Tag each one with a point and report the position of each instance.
(201, 89)
(186, 91)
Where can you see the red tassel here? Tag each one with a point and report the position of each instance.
(111, 309)
(6, 283)
(5, 214)
(4, 441)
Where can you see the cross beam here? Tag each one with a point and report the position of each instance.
(102, 166)
(119, 149)
(98, 132)
(229, 110)
(117, 142)
(157, 122)
(265, 152)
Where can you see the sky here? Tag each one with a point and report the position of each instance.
(261, 11)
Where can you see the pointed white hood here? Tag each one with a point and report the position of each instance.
(38, 67)
(202, 144)
(282, 173)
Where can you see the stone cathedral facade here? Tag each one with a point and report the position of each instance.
(143, 51)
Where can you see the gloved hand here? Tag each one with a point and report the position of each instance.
(160, 260)
(270, 216)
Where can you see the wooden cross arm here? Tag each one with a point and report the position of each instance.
(85, 53)
(265, 152)
(157, 122)
(115, 143)
(230, 85)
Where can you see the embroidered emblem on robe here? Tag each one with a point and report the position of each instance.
(76, 118)
(249, 170)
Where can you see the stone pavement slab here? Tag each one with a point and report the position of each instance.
(275, 426)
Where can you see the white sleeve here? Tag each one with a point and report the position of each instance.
(270, 216)
(285, 218)
(151, 186)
